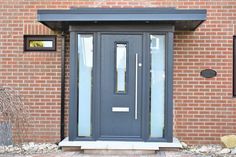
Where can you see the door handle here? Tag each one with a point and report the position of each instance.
(136, 88)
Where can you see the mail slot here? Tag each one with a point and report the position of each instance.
(120, 109)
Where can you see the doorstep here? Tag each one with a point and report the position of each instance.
(120, 145)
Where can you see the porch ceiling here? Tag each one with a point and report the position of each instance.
(182, 19)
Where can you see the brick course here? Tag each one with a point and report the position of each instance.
(204, 109)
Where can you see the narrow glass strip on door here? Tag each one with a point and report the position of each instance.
(85, 66)
(121, 50)
(157, 89)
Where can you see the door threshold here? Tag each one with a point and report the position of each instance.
(120, 145)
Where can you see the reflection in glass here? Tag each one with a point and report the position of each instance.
(40, 43)
(157, 73)
(120, 67)
(85, 62)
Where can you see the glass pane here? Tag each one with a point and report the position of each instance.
(41, 43)
(120, 67)
(85, 62)
(157, 74)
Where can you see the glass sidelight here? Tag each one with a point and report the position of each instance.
(157, 85)
(85, 67)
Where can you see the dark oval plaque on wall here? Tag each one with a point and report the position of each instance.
(208, 73)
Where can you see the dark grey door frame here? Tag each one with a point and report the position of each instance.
(97, 30)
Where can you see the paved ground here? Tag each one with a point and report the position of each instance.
(77, 154)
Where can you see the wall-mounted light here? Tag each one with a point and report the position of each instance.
(208, 73)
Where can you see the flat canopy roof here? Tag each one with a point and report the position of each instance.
(183, 19)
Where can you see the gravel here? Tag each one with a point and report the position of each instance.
(29, 148)
(210, 151)
(47, 148)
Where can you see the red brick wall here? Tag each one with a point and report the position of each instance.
(204, 108)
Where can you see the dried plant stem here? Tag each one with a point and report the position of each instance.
(13, 111)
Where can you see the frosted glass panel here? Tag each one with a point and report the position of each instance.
(157, 74)
(85, 62)
(120, 67)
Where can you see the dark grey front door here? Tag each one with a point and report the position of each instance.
(120, 112)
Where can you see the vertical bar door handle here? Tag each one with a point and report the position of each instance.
(136, 87)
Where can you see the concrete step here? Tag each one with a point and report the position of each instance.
(118, 152)
(93, 146)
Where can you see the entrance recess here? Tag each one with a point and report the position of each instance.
(122, 82)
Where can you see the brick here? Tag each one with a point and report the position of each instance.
(196, 98)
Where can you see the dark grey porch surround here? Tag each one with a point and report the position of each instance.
(138, 21)
(182, 19)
